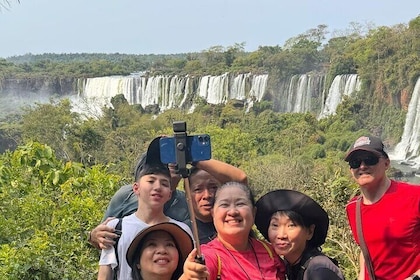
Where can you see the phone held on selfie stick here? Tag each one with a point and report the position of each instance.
(182, 149)
(198, 148)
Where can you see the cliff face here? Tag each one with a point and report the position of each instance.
(49, 86)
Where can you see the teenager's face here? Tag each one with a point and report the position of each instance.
(153, 189)
(159, 255)
(203, 188)
(233, 213)
(368, 174)
(288, 238)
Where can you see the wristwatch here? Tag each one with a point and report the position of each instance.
(415, 277)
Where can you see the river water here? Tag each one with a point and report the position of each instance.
(406, 169)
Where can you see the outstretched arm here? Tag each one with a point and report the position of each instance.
(223, 172)
(193, 270)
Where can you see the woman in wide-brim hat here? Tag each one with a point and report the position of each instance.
(297, 226)
(159, 252)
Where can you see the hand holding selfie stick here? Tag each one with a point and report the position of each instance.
(180, 136)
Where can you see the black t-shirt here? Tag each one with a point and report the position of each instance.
(206, 231)
(319, 267)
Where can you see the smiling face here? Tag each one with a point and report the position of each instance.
(203, 189)
(287, 237)
(367, 175)
(153, 190)
(233, 213)
(158, 256)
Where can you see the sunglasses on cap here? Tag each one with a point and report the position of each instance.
(370, 161)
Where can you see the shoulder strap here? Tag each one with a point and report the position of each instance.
(306, 259)
(118, 227)
(363, 247)
(270, 253)
(219, 267)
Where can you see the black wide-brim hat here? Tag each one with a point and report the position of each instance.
(284, 200)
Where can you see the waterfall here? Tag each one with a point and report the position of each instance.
(408, 147)
(342, 85)
(297, 97)
(258, 87)
(239, 87)
(259, 84)
(214, 88)
(300, 94)
(172, 91)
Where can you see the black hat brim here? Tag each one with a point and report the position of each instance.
(283, 200)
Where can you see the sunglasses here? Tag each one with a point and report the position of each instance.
(370, 161)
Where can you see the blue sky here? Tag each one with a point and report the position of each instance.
(167, 26)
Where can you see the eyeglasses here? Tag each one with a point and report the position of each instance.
(370, 161)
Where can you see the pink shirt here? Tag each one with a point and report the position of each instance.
(252, 264)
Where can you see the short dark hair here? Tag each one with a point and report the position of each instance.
(144, 168)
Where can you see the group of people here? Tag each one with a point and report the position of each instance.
(145, 233)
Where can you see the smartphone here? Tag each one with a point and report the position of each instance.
(198, 148)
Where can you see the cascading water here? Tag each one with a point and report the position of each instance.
(173, 91)
(300, 94)
(342, 85)
(407, 149)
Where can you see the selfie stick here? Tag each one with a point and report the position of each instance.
(180, 136)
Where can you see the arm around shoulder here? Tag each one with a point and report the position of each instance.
(223, 171)
(102, 236)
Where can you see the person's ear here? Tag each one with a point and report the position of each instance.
(311, 230)
(387, 163)
(136, 187)
(138, 266)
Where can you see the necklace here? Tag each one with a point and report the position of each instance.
(242, 268)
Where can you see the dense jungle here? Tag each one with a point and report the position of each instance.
(58, 170)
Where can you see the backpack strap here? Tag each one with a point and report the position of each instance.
(306, 259)
(363, 246)
(270, 253)
(219, 267)
(118, 227)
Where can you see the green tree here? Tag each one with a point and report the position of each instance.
(51, 124)
(46, 207)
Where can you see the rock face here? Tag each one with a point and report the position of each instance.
(47, 85)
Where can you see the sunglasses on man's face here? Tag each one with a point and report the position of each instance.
(370, 161)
